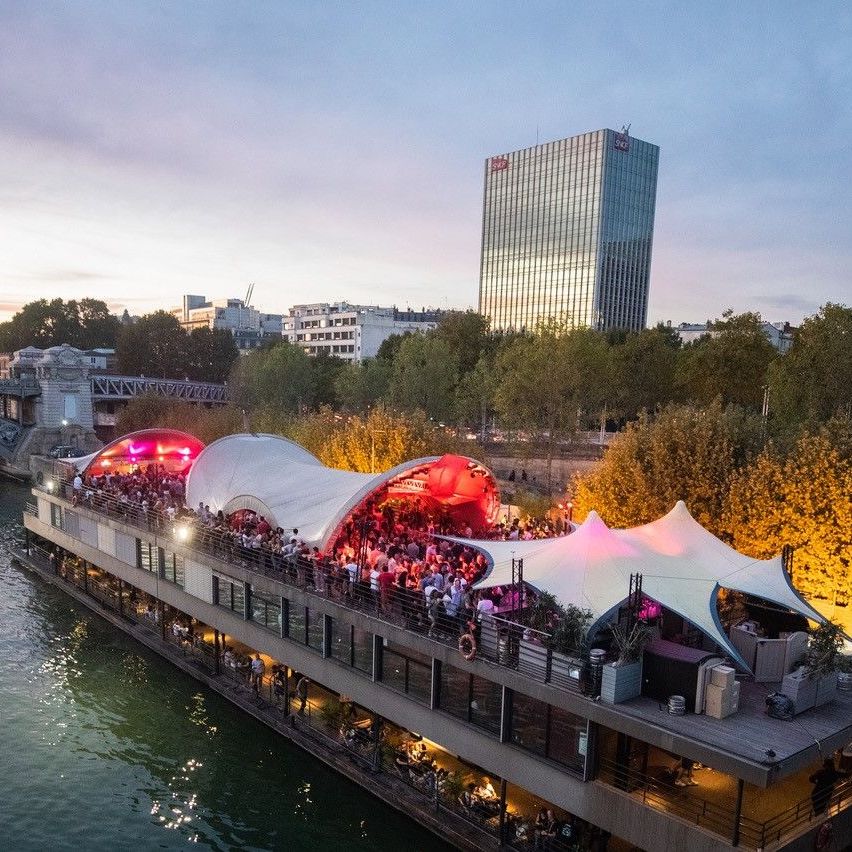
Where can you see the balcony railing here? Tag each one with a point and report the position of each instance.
(498, 640)
(719, 818)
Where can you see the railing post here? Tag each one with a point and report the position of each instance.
(216, 651)
(502, 830)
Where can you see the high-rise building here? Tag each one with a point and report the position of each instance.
(567, 229)
(250, 327)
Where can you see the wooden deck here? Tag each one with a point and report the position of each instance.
(750, 734)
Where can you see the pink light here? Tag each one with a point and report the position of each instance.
(105, 463)
(133, 458)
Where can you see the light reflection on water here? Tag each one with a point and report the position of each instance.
(104, 746)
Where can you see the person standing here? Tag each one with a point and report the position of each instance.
(824, 780)
(302, 693)
(257, 670)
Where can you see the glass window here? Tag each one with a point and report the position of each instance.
(315, 630)
(529, 723)
(455, 692)
(341, 641)
(393, 669)
(485, 704)
(566, 738)
(266, 610)
(362, 646)
(56, 515)
(296, 623)
(238, 598)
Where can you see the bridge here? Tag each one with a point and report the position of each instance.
(123, 388)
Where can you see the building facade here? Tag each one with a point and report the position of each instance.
(779, 334)
(351, 332)
(250, 327)
(567, 230)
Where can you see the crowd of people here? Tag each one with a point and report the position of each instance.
(397, 557)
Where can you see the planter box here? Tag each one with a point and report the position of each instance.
(565, 671)
(621, 683)
(826, 689)
(800, 689)
(532, 659)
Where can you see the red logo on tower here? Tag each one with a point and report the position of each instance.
(499, 164)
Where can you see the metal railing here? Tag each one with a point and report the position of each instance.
(719, 818)
(498, 640)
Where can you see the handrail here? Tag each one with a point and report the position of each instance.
(753, 833)
(498, 640)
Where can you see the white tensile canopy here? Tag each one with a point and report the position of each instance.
(683, 566)
(283, 482)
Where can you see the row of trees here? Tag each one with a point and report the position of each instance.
(560, 381)
(757, 495)
(155, 345)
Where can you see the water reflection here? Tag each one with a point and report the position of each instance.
(112, 748)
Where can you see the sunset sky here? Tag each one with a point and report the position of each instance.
(330, 151)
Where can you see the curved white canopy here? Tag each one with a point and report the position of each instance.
(682, 565)
(282, 481)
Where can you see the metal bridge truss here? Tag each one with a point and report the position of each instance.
(106, 388)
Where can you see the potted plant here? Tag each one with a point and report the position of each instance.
(621, 679)
(815, 682)
(843, 665)
(567, 641)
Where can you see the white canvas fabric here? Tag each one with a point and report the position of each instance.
(282, 481)
(682, 565)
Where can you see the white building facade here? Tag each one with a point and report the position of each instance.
(351, 332)
(779, 334)
(249, 326)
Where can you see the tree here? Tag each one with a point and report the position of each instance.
(424, 377)
(155, 346)
(801, 498)
(813, 381)
(685, 453)
(361, 386)
(211, 354)
(475, 393)
(87, 324)
(731, 363)
(325, 370)
(380, 441)
(643, 371)
(279, 377)
(207, 424)
(551, 382)
(390, 346)
(466, 335)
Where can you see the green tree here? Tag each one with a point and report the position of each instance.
(731, 363)
(325, 371)
(552, 382)
(361, 386)
(390, 346)
(476, 392)
(279, 377)
(87, 324)
(685, 453)
(211, 354)
(424, 377)
(643, 371)
(156, 346)
(466, 336)
(800, 498)
(813, 381)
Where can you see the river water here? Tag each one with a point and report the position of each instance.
(104, 746)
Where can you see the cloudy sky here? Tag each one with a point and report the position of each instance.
(334, 150)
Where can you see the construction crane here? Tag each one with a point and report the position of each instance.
(247, 300)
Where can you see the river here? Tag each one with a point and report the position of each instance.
(104, 746)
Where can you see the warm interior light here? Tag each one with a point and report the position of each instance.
(182, 532)
(49, 484)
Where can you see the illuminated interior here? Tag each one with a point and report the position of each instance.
(452, 493)
(174, 451)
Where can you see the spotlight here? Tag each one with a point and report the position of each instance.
(182, 532)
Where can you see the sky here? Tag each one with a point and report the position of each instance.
(334, 151)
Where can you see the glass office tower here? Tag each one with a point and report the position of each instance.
(567, 229)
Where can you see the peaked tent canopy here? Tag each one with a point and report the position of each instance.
(170, 447)
(683, 566)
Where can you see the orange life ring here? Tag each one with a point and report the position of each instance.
(467, 646)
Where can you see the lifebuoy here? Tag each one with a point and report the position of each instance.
(467, 646)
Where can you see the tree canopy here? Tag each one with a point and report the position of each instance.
(86, 324)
